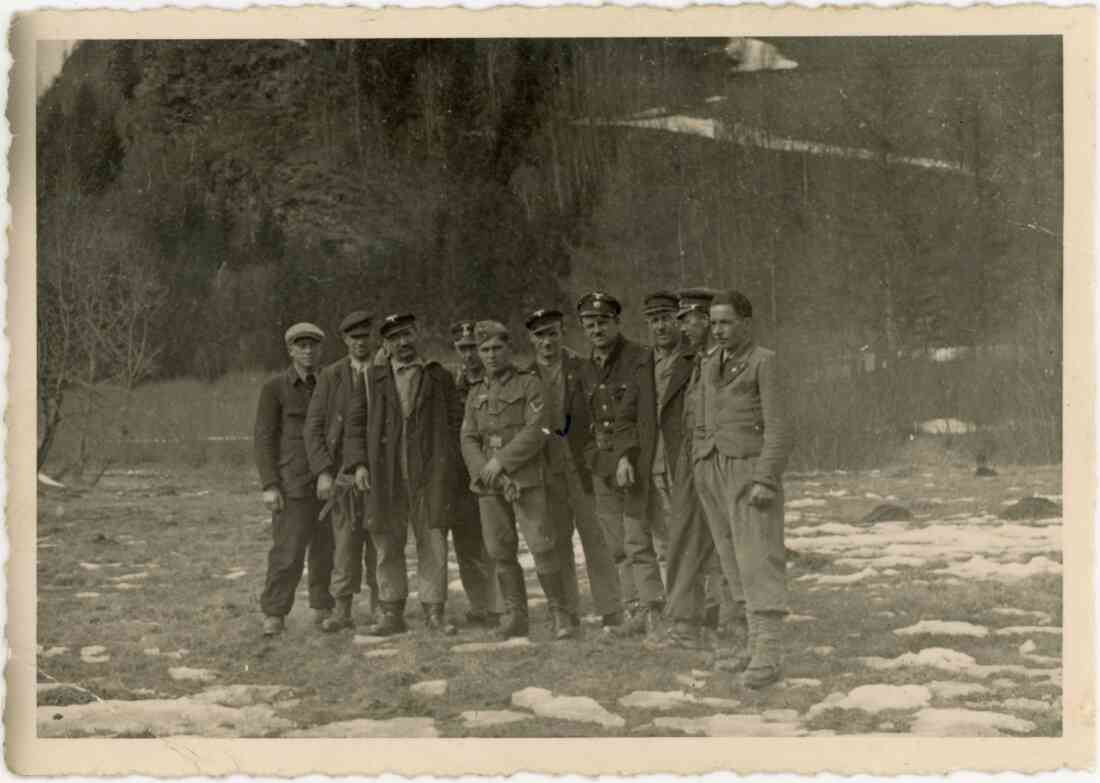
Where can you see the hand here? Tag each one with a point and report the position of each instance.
(362, 479)
(273, 499)
(624, 475)
(490, 471)
(511, 490)
(324, 486)
(761, 496)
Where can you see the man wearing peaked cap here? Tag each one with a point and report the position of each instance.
(610, 382)
(476, 569)
(503, 439)
(742, 440)
(568, 480)
(289, 490)
(336, 444)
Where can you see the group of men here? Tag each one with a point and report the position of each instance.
(666, 459)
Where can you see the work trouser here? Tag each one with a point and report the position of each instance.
(502, 522)
(695, 579)
(475, 568)
(757, 561)
(630, 539)
(354, 557)
(296, 530)
(431, 554)
(570, 508)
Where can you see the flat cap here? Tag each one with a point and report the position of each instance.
(357, 321)
(487, 330)
(598, 303)
(660, 302)
(694, 300)
(392, 324)
(304, 329)
(542, 318)
(462, 333)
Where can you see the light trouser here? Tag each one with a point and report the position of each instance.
(630, 540)
(502, 522)
(570, 506)
(296, 530)
(757, 561)
(431, 556)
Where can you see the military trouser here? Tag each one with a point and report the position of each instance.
(758, 560)
(475, 568)
(570, 508)
(695, 580)
(502, 522)
(631, 542)
(296, 530)
(431, 555)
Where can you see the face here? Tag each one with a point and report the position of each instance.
(305, 352)
(664, 332)
(695, 325)
(546, 341)
(729, 329)
(601, 330)
(496, 355)
(403, 345)
(468, 353)
(359, 345)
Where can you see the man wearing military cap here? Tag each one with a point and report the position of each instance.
(476, 569)
(503, 442)
(740, 446)
(342, 476)
(415, 471)
(569, 482)
(289, 489)
(612, 379)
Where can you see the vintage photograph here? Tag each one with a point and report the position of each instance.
(545, 387)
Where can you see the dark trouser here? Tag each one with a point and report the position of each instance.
(295, 530)
(630, 539)
(695, 580)
(502, 522)
(476, 570)
(569, 505)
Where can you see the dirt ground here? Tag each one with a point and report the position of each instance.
(947, 624)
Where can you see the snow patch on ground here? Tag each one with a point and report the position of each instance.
(806, 503)
(384, 652)
(948, 660)
(518, 642)
(875, 698)
(670, 700)
(160, 718)
(943, 628)
(1023, 630)
(186, 673)
(364, 727)
(1041, 618)
(951, 689)
(94, 653)
(956, 722)
(576, 708)
(432, 689)
(723, 725)
(980, 568)
(478, 719)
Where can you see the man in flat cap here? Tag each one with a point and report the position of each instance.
(612, 378)
(476, 569)
(416, 473)
(698, 594)
(289, 489)
(569, 482)
(503, 443)
(342, 476)
(740, 446)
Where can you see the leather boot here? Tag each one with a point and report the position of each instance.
(340, 617)
(561, 622)
(392, 621)
(514, 591)
(436, 620)
(634, 622)
(764, 668)
(735, 645)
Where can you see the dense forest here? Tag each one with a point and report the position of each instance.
(884, 200)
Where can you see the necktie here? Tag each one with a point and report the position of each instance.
(311, 382)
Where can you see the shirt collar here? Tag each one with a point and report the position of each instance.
(359, 366)
(500, 379)
(603, 359)
(400, 366)
(296, 377)
(739, 353)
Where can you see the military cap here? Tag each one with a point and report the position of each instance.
(542, 318)
(660, 302)
(303, 329)
(694, 299)
(599, 303)
(462, 333)
(358, 322)
(487, 330)
(735, 299)
(392, 324)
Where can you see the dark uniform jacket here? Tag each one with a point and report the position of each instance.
(332, 421)
(466, 502)
(576, 427)
(432, 432)
(740, 412)
(278, 441)
(505, 418)
(667, 414)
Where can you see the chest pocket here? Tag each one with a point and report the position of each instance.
(507, 407)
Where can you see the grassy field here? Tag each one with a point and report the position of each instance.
(163, 570)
